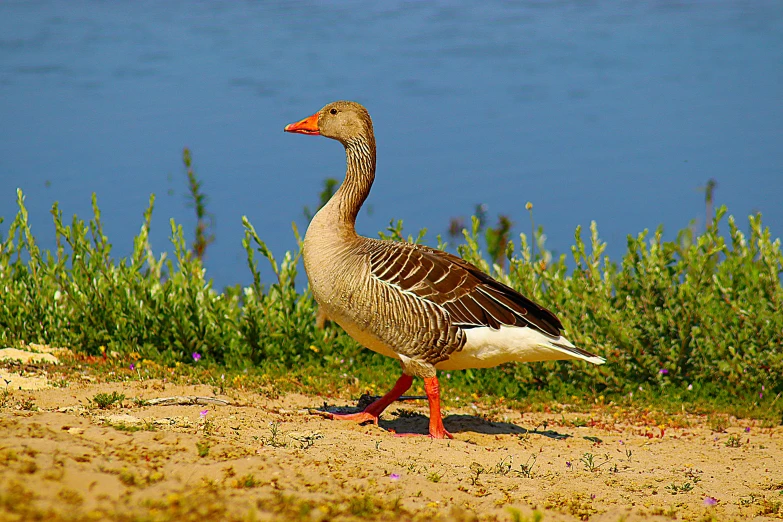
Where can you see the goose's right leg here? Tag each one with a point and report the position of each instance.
(373, 411)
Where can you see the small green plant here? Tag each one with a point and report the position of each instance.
(504, 466)
(526, 469)
(476, 471)
(675, 489)
(749, 500)
(412, 467)
(28, 404)
(275, 438)
(128, 477)
(770, 507)
(198, 200)
(305, 440)
(5, 397)
(693, 475)
(248, 481)
(733, 441)
(132, 428)
(394, 233)
(106, 400)
(364, 506)
(590, 462)
(202, 448)
(434, 476)
(516, 515)
(207, 425)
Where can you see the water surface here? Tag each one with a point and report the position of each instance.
(606, 111)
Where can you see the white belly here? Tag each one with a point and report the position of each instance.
(486, 347)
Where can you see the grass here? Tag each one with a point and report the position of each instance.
(202, 448)
(526, 469)
(248, 481)
(590, 462)
(733, 441)
(275, 439)
(675, 489)
(107, 400)
(689, 325)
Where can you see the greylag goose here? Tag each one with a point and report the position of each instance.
(429, 309)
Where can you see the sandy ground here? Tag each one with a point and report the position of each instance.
(269, 457)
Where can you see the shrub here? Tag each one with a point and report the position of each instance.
(701, 310)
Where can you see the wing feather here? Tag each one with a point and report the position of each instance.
(471, 297)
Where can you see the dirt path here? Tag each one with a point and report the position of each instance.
(267, 457)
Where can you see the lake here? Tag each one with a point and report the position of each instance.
(617, 112)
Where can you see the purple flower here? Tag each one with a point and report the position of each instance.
(747, 430)
(132, 366)
(709, 501)
(394, 476)
(568, 464)
(203, 413)
(663, 371)
(196, 356)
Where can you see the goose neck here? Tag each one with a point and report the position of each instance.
(359, 177)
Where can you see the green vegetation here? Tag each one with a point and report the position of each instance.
(198, 201)
(202, 448)
(106, 400)
(695, 319)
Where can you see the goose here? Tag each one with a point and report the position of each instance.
(427, 308)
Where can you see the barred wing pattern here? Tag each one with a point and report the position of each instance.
(471, 297)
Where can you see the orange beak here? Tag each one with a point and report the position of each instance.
(306, 126)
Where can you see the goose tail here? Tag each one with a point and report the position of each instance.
(564, 345)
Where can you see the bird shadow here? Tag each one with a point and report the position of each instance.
(418, 424)
(407, 422)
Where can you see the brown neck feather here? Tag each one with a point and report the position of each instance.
(359, 176)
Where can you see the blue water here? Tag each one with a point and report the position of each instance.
(609, 111)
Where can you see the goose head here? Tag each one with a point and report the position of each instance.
(344, 121)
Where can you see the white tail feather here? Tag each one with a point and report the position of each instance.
(487, 347)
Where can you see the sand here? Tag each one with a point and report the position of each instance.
(264, 456)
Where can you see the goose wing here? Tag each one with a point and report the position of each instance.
(472, 298)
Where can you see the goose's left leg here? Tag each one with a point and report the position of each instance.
(437, 431)
(427, 371)
(432, 388)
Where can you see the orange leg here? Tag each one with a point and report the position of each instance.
(372, 411)
(437, 431)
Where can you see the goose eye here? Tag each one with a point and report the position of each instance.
(332, 111)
